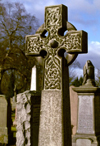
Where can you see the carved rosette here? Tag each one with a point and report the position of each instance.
(23, 133)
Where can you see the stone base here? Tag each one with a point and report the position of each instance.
(54, 124)
(84, 140)
(3, 135)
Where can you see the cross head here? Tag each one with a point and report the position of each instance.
(55, 44)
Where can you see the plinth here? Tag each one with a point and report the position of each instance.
(86, 132)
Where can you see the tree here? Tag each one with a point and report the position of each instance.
(15, 24)
(77, 82)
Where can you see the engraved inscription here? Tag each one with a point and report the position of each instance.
(85, 122)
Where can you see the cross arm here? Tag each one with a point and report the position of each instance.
(33, 45)
(75, 42)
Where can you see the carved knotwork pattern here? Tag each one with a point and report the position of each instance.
(33, 44)
(53, 16)
(72, 41)
(52, 73)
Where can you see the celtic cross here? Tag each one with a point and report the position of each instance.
(55, 101)
(55, 43)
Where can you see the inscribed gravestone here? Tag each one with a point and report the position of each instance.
(3, 120)
(55, 106)
(86, 119)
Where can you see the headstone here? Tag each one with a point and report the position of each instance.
(3, 120)
(86, 131)
(55, 128)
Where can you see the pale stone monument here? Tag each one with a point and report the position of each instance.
(3, 120)
(3, 115)
(23, 119)
(55, 126)
(28, 116)
(87, 122)
(34, 79)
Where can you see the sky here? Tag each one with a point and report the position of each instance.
(83, 14)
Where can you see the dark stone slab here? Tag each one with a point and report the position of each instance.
(35, 117)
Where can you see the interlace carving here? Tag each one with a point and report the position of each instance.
(72, 41)
(33, 44)
(52, 73)
(55, 21)
(53, 16)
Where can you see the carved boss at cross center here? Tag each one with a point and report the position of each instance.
(55, 44)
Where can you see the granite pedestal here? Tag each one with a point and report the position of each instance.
(86, 132)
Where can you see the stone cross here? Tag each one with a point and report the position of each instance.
(55, 106)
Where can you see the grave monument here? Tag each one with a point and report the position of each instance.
(3, 116)
(28, 113)
(88, 124)
(55, 126)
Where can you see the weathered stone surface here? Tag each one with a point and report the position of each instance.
(83, 142)
(3, 120)
(23, 119)
(28, 113)
(51, 119)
